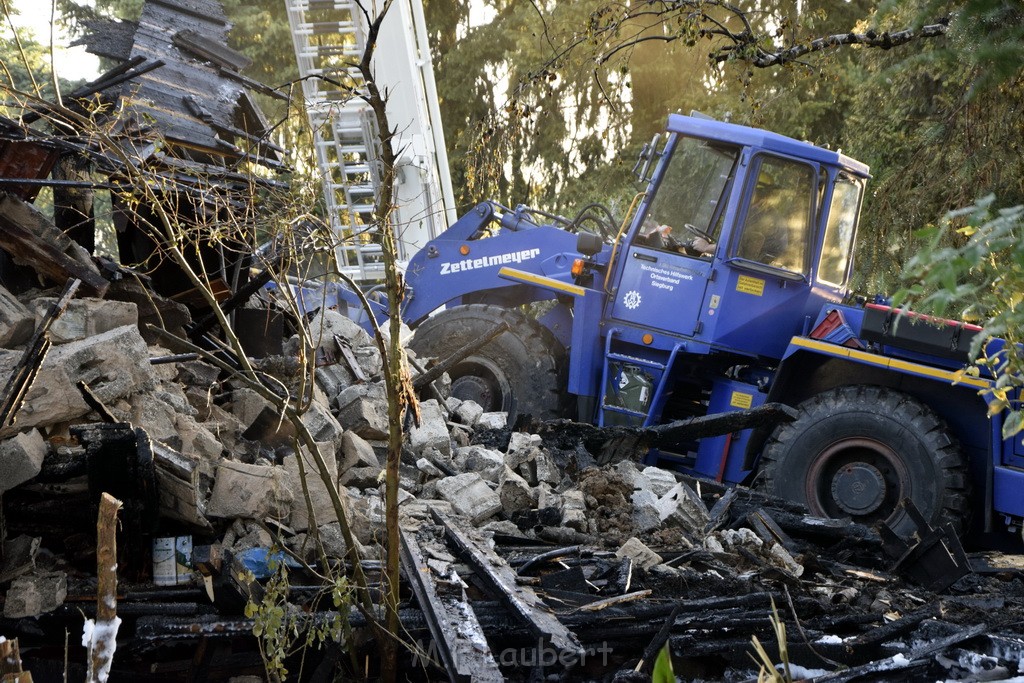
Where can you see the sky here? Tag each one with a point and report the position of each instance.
(72, 63)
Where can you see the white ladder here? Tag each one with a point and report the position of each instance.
(329, 36)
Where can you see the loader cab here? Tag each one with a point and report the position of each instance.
(743, 236)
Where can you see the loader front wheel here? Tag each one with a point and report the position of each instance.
(857, 451)
(520, 372)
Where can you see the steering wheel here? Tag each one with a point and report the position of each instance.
(697, 232)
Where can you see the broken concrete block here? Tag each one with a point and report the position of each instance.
(661, 481)
(642, 556)
(631, 474)
(547, 498)
(19, 557)
(375, 508)
(224, 427)
(85, 317)
(252, 536)
(470, 496)
(514, 493)
(682, 507)
(492, 421)
(332, 540)
(428, 468)
(486, 462)
(646, 515)
(156, 417)
(16, 322)
(732, 538)
(334, 379)
(468, 412)
(197, 373)
(574, 510)
(196, 439)
(363, 408)
(522, 447)
(501, 526)
(36, 594)
(361, 477)
(368, 359)
(113, 364)
(322, 424)
(781, 557)
(326, 324)
(319, 495)
(432, 431)
(247, 405)
(356, 452)
(546, 469)
(21, 458)
(249, 491)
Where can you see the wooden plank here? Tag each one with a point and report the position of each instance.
(179, 487)
(210, 49)
(456, 632)
(499, 576)
(32, 240)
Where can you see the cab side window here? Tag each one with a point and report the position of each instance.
(777, 227)
(837, 248)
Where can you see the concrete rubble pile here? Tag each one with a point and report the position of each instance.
(599, 565)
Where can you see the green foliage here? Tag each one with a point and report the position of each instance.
(283, 628)
(972, 265)
(937, 125)
(24, 66)
(663, 667)
(536, 105)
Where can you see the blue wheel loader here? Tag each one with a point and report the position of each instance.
(726, 288)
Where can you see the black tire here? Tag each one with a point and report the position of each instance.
(857, 451)
(520, 372)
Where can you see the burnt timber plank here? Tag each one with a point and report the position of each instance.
(31, 239)
(463, 659)
(499, 576)
(211, 50)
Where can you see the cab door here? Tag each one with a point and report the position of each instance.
(660, 289)
(663, 276)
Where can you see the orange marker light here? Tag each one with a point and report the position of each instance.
(577, 267)
(648, 338)
(464, 250)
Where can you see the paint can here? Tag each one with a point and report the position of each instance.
(172, 560)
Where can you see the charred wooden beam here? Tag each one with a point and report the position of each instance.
(499, 576)
(446, 364)
(211, 50)
(456, 632)
(180, 487)
(613, 444)
(31, 239)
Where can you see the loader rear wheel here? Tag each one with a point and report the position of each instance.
(857, 451)
(520, 372)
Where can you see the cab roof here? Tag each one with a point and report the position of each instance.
(763, 139)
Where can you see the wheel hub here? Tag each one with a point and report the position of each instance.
(858, 488)
(473, 388)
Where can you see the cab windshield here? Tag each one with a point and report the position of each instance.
(692, 193)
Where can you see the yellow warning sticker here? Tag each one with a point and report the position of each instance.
(750, 285)
(741, 400)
